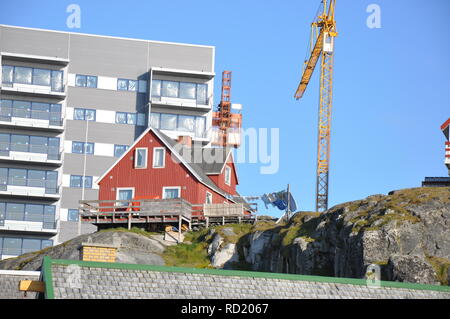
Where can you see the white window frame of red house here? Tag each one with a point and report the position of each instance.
(135, 157)
(228, 182)
(206, 198)
(163, 156)
(171, 187)
(118, 189)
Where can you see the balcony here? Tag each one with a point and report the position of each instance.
(31, 119)
(41, 154)
(33, 81)
(181, 94)
(26, 187)
(32, 90)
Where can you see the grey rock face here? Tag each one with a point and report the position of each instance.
(221, 254)
(400, 233)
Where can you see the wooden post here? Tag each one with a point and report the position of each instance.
(129, 221)
(207, 222)
(223, 220)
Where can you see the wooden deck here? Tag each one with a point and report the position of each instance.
(105, 213)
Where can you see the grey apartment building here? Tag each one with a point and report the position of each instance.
(71, 104)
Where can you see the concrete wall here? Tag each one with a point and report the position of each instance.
(100, 280)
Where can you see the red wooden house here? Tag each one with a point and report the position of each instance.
(156, 166)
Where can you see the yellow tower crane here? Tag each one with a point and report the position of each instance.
(323, 32)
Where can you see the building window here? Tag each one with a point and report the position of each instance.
(227, 175)
(119, 150)
(208, 199)
(23, 75)
(84, 114)
(156, 88)
(89, 81)
(76, 181)
(29, 245)
(72, 215)
(17, 246)
(42, 77)
(126, 118)
(131, 85)
(57, 81)
(171, 192)
(202, 90)
(35, 76)
(187, 90)
(82, 148)
(140, 158)
(124, 194)
(7, 74)
(169, 88)
(12, 246)
(186, 123)
(15, 211)
(159, 157)
(168, 122)
(155, 119)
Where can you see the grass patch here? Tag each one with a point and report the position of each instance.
(440, 266)
(135, 230)
(187, 255)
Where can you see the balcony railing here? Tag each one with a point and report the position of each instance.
(16, 222)
(54, 118)
(34, 89)
(52, 152)
(49, 186)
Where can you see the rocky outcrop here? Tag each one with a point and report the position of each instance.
(222, 254)
(406, 234)
(133, 249)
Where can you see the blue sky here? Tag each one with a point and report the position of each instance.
(391, 85)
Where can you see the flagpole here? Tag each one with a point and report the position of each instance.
(288, 208)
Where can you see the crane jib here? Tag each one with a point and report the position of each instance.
(310, 66)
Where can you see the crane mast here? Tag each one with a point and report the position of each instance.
(323, 32)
